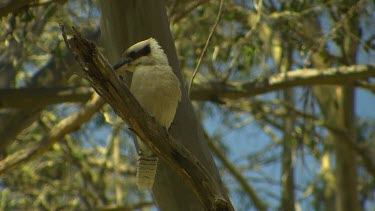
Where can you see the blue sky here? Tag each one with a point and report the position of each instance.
(251, 138)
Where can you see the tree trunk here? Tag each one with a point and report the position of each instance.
(124, 23)
(346, 159)
(327, 199)
(287, 176)
(337, 105)
(339, 112)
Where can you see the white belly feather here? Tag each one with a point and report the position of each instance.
(157, 89)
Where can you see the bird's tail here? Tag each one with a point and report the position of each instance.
(146, 171)
(146, 167)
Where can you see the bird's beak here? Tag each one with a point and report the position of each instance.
(122, 66)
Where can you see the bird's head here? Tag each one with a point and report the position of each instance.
(147, 52)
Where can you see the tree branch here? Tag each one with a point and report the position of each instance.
(67, 125)
(345, 75)
(237, 175)
(12, 6)
(41, 97)
(53, 73)
(108, 84)
(204, 91)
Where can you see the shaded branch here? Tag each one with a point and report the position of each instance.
(14, 6)
(54, 73)
(187, 9)
(11, 6)
(108, 84)
(67, 125)
(36, 97)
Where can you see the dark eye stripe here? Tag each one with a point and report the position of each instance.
(146, 50)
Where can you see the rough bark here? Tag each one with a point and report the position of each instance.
(125, 23)
(109, 85)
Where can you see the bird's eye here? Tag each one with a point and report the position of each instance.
(132, 54)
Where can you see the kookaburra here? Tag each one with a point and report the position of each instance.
(157, 89)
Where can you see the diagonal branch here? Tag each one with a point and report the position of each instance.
(66, 126)
(108, 84)
(254, 197)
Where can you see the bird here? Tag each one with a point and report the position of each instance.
(157, 89)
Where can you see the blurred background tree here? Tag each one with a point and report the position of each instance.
(286, 131)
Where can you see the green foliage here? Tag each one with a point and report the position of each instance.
(95, 166)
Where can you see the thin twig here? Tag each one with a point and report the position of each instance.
(324, 39)
(254, 197)
(63, 33)
(242, 42)
(183, 14)
(206, 45)
(65, 126)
